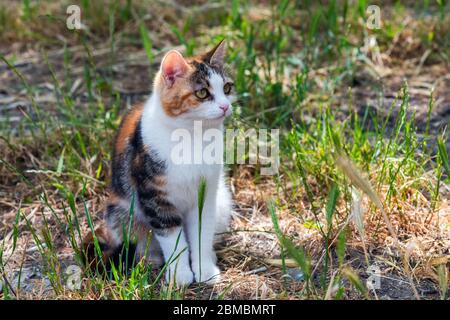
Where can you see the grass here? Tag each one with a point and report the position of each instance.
(364, 175)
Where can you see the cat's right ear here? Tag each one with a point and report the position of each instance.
(173, 66)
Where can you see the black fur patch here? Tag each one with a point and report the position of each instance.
(120, 177)
(117, 217)
(203, 72)
(138, 169)
(145, 168)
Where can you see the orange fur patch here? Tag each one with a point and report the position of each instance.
(89, 254)
(141, 230)
(159, 181)
(128, 127)
(113, 199)
(180, 97)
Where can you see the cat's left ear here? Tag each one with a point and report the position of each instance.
(217, 55)
(173, 66)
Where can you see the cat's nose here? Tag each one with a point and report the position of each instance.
(224, 107)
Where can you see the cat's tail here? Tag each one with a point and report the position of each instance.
(110, 252)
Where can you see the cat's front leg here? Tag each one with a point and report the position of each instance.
(201, 236)
(167, 226)
(176, 255)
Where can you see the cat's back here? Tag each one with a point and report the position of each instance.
(127, 128)
(123, 150)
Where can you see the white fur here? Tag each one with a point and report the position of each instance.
(183, 181)
(176, 254)
(209, 111)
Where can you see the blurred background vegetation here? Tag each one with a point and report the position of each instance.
(314, 69)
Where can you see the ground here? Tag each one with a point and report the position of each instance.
(363, 117)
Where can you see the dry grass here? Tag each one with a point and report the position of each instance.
(76, 106)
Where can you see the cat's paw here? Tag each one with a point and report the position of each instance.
(182, 276)
(210, 273)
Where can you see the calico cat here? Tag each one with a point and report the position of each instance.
(165, 194)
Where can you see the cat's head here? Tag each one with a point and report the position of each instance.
(195, 88)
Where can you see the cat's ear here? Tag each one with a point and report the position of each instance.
(217, 55)
(173, 66)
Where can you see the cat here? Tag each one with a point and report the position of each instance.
(165, 194)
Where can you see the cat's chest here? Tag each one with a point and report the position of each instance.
(185, 165)
(191, 174)
(183, 182)
(186, 162)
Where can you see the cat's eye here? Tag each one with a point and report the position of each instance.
(227, 87)
(202, 93)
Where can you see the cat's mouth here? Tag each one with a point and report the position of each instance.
(223, 116)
